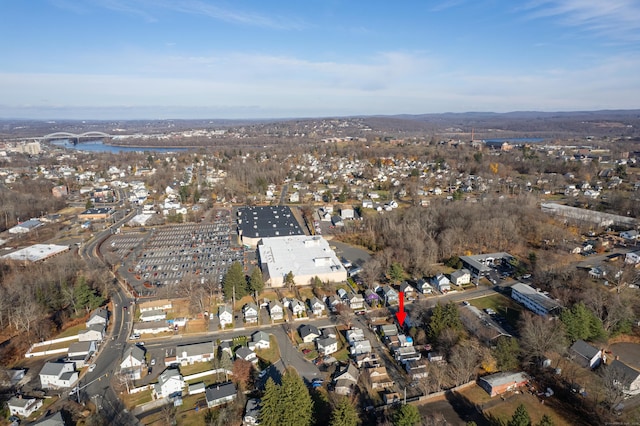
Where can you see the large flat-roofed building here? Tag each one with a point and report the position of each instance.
(304, 256)
(480, 264)
(36, 252)
(256, 223)
(534, 300)
(96, 213)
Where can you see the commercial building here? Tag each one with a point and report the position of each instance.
(256, 223)
(305, 257)
(536, 301)
(36, 252)
(499, 383)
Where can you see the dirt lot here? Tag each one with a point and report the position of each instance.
(629, 353)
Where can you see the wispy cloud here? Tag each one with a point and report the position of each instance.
(149, 10)
(617, 19)
(446, 4)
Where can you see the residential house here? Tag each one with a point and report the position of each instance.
(633, 257)
(371, 297)
(99, 316)
(367, 360)
(424, 287)
(327, 346)
(94, 332)
(133, 362)
(250, 312)
(460, 277)
(390, 295)
(195, 352)
(333, 302)
(433, 356)
(416, 369)
(56, 375)
(629, 378)
(356, 301)
(220, 394)
(225, 315)
(80, 352)
(154, 327)
(441, 283)
(317, 307)
(403, 354)
(360, 347)
(260, 340)
(499, 383)
(155, 315)
(55, 419)
(379, 378)
(297, 307)
(388, 330)
(309, 333)
(342, 294)
(346, 380)
(354, 335)
(170, 384)
(251, 413)
(246, 354)
(225, 347)
(631, 235)
(586, 354)
(23, 406)
(276, 310)
(408, 290)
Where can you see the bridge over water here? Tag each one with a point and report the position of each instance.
(75, 137)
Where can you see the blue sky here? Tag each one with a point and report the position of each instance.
(268, 58)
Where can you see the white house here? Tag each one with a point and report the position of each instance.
(225, 314)
(441, 283)
(390, 295)
(297, 307)
(154, 315)
(55, 375)
(356, 301)
(246, 354)
(154, 305)
(631, 235)
(629, 378)
(460, 277)
(170, 383)
(260, 340)
(327, 345)
(586, 355)
(309, 333)
(94, 332)
(276, 310)
(80, 352)
(250, 312)
(632, 257)
(99, 316)
(196, 352)
(317, 307)
(252, 413)
(424, 287)
(133, 362)
(360, 347)
(220, 394)
(23, 406)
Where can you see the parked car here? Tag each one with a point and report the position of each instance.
(92, 367)
(153, 361)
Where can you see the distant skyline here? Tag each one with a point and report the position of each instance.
(133, 59)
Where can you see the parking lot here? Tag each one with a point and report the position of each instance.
(162, 257)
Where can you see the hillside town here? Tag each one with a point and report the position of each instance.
(371, 274)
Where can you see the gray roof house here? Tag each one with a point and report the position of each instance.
(629, 378)
(246, 354)
(251, 412)
(56, 375)
(261, 340)
(99, 316)
(585, 354)
(309, 333)
(196, 352)
(23, 406)
(220, 394)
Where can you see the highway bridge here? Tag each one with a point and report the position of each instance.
(75, 137)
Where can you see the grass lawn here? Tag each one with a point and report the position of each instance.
(134, 399)
(272, 354)
(45, 406)
(198, 367)
(71, 331)
(196, 326)
(306, 293)
(505, 409)
(186, 414)
(502, 305)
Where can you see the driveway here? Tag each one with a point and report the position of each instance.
(290, 356)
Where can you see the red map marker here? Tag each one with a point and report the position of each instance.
(401, 314)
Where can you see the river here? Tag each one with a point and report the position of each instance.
(99, 146)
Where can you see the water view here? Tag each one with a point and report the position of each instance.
(99, 146)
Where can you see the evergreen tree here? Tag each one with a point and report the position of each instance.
(443, 317)
(256, 282)
(297, 407)
(234, 279)
(506, 353)
(581, 323)
(289, 280)
(396, 273)
(344, 414)
(407, 415)
(271, 409)
(85, 296)
(545, 421)
(520, 417)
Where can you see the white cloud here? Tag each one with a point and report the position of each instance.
(617, 19)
